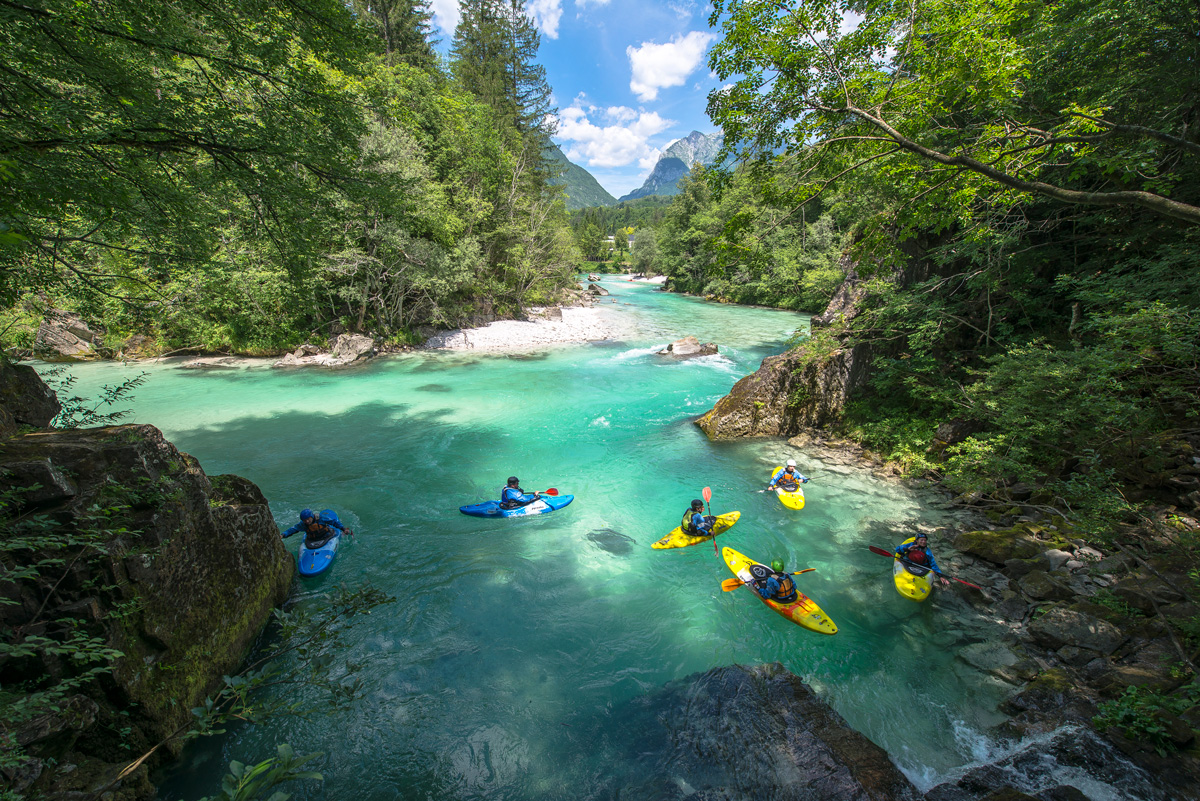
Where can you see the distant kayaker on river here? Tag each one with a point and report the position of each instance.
(778, 586)
(512, 496)
(918, 553)
(316, 530)
(789, 477)
(695, 522)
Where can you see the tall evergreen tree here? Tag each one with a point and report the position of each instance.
(404, 26)
(494, 54)
(527, 78)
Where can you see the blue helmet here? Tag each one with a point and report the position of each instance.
(305, 514)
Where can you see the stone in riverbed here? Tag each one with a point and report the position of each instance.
(345, 349)
(688, 347)
(1063, 625)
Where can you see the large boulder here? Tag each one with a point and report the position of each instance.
(1001, 546)
(175, 570)
(743, 732)
(687, 347)
(344, 350)
(64, 336)
(787, 394)
(1064, 625)
(24, 398)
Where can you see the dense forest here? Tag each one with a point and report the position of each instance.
(244, 178)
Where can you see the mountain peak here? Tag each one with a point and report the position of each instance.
(676, 161)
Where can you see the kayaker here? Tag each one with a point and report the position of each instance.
(512, 496)
(788, 476)
(695, 522)
(918, 553)
(778, 586)
(317, 531)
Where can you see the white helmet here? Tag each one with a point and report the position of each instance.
(791, 462)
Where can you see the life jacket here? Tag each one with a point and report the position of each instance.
(787, 588)
(686, 525)
(316, 534)
(510, 503)
(788, 481)
(915, 554)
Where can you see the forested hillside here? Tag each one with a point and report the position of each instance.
(581, 187)
(244, 178)
(1043, 162)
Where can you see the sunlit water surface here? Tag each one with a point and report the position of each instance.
(510, 641)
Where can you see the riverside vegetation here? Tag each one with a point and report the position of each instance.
(244, 179)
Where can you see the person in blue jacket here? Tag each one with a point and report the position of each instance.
(918, 553)
(512, 496)
(695, 522)
(788, 476)
(317, 530)
(778, 586)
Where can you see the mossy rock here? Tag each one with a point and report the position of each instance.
(1017, 542)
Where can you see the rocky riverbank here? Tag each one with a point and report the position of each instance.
(1078, 630)
(135, 583)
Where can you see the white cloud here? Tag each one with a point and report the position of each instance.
(621, 142)
(648, 161)
(586, 3)
(657, 66)
(445, 14)
(545, 14)
(684, 9)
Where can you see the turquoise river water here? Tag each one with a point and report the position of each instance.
(494, 673)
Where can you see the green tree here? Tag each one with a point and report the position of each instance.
(645, 252)
(130, 124)
(590, 241)
(405, 27)
(1080, 102)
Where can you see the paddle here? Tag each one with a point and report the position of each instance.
(551, 491)
(729, 585)
(882, 552)
(706, 494)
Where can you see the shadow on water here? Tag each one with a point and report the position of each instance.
(612, 541)
(442, 363)
(434, 388)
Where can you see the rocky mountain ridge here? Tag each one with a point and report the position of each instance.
(676, 161)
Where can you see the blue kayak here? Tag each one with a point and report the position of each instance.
(317, 560)
(543, 505)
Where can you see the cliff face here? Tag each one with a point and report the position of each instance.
(176, 570)
(803, 388)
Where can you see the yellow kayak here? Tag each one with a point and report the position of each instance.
(908, 582)
(680, 539)
(802, 611)
(792, 499)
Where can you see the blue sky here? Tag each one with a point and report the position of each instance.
(629, 78)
